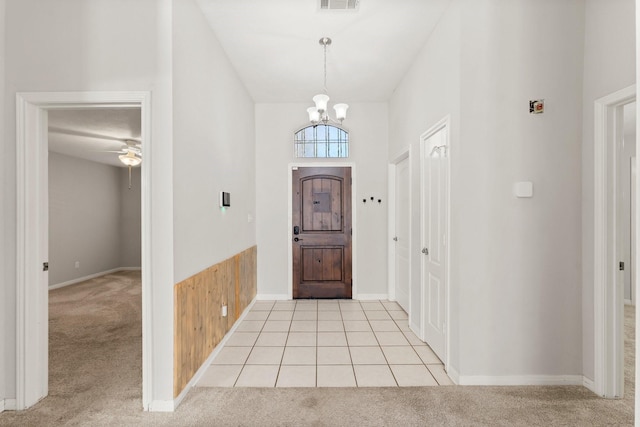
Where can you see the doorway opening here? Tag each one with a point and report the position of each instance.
(612, 243)
(33, 231)
(95, 227)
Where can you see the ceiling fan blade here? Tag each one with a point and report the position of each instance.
(83, 134)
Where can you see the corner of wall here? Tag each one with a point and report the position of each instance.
(3, 279)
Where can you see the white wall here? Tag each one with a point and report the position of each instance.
(429, 92)
(80, 48)
(520, 284)
(515, 263)
(5, 317)
(94, 218)
(84, 218)
(214, 151)
(275, 126)
(609, 65)
(130, 218)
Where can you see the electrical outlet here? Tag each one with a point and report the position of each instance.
(77, 264)
(224, 311)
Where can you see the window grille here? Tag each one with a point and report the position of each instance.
(321, 141)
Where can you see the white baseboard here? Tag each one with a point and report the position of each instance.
(161, 406)
(588, 383)
(92, 276)
(8, 405)
(272, 297)
(454, 375)
(415, 329)
(521, 380)
(203, 368)
(371, 297)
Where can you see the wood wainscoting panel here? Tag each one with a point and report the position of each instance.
(198, 323)
(248, 277)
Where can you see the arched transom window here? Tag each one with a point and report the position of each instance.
(321, 141)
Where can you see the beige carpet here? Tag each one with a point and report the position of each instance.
(95, 353)
(95, 380)
(629, 354)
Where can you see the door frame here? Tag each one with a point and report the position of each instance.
(444, 123)
(354, 276)
(31, 319)
(633, 249)
(391, 252)
(608, 294)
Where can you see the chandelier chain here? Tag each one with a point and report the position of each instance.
(325, 68)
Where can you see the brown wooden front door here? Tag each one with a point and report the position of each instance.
(322, 232)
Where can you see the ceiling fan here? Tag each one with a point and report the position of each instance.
(130, 154)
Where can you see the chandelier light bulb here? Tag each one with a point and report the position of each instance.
(321, 101)
(314, 115)
(341, 111)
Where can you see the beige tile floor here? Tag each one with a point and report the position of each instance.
(324, 343)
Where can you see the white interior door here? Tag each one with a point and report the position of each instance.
(434, 217)
(402, 239)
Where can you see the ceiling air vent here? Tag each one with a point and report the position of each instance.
(339, 4)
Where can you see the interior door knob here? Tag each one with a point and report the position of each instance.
(395, 239)
(425, 251)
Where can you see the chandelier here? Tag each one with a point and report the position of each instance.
(319, 114)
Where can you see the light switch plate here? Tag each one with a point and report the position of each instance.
(523, 189)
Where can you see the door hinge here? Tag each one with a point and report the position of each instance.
(621, 266)
(45, 266)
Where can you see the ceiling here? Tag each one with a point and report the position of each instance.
(274, 47)
(88, 133)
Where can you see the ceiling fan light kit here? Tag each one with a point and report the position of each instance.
(131, 157)
(319, 114)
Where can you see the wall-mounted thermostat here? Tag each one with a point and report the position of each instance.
(225, 199)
